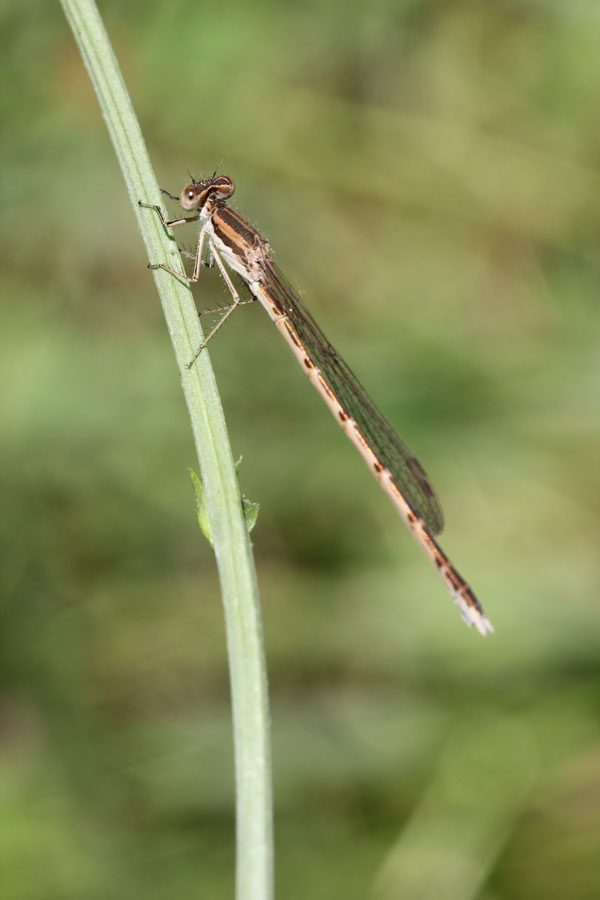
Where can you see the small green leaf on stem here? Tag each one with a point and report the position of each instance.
(250, 512)
(250, 508)
(201, 511)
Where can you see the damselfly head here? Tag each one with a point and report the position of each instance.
(195, 195)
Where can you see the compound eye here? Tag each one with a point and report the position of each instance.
(190, 195)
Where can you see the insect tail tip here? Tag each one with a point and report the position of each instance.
(474, 616)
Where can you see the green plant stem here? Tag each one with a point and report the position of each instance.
(254, 864)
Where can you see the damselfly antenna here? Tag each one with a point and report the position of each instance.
(219, 164)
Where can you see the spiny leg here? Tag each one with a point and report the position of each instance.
(164, 221)
(198, 262)
(189, 279)
(216, 309)
(237, 301)
(207, 263)
(183, 221)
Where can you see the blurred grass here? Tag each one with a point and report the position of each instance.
(427, 174)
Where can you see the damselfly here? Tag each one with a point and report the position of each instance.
(233, 242)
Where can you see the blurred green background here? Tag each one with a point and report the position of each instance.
(427, 174)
